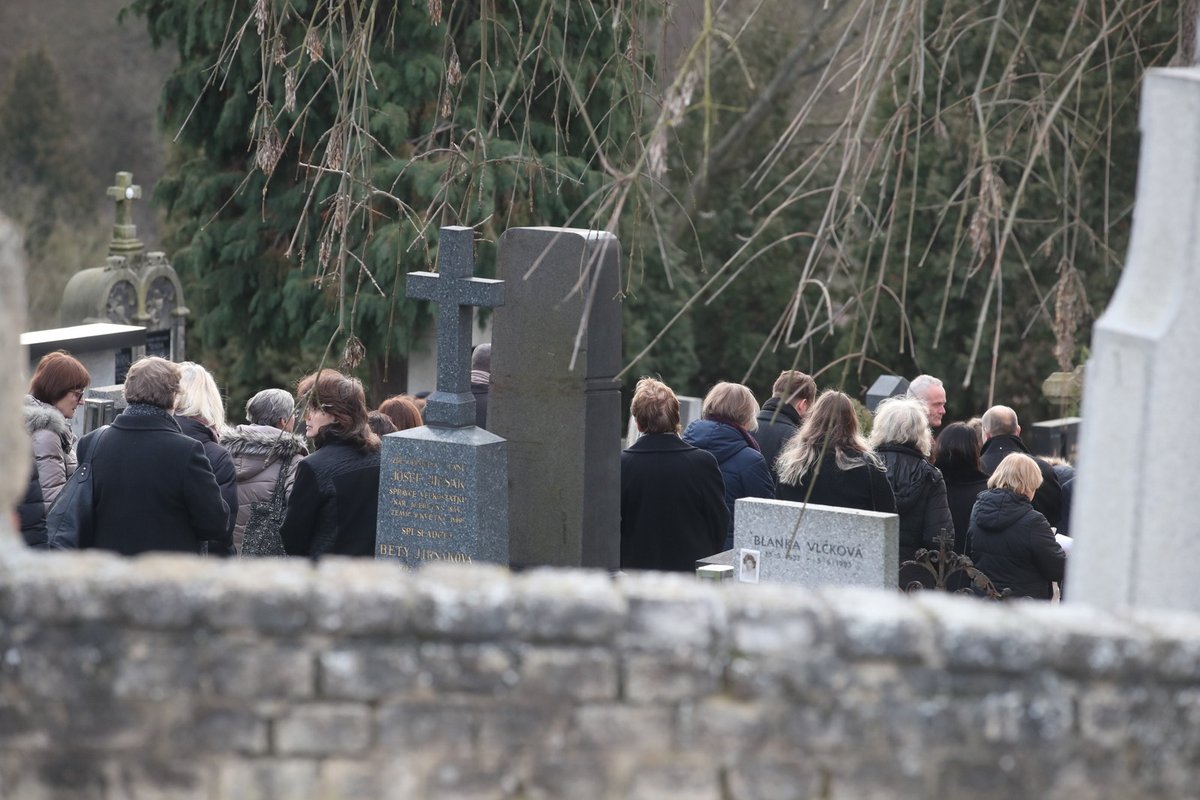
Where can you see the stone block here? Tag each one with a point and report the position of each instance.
(464, 603)
(361, 597)
(621, 727)
(871, 624)
(221, 729)
(318, 729)
(258, 670)
(268, 779)
(393, 778)
(427, 727)
(658, 603)
(473, 668)
(981, 635)
(698, 780)
(369, 671)
(573, 674)
(568, 606)
(656, 678)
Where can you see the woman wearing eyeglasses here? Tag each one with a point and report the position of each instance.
(55, 391)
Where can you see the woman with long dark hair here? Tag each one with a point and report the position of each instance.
(828, 462)
(332, 507)
(958, 459)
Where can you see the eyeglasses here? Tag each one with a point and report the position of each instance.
(78, 393)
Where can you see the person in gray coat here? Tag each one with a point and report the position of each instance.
(55, 391)
(260, 449)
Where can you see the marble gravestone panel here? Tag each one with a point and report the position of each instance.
(556, 348)
(815, 545)
(442, 487)
(438, 499)
(1135, 510)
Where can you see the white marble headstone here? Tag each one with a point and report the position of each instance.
(1136, 511)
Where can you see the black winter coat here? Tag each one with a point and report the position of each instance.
(153, 489)
(865, 488)
(1011, 543)
(334, 502)
(777, 423)
(962, 488)
(672, 504)
(221, 462)
(1048, 498)
(920, 502)
(32, 513)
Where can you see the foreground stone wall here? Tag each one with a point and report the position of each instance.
(184, 678)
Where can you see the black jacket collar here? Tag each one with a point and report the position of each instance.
(659, 443)
(785, 411)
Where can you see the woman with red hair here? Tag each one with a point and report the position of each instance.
(55, 391)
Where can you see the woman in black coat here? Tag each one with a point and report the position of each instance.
(902, 439)
(334, 501)
(200, 414)
(1009, 540)
(829, 463)
(958, 460)
(672, 495)
(153, 489)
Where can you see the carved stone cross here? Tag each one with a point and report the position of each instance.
(124, 236)
(455, 291)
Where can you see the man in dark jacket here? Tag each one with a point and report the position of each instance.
(153, 487)
(1001, 436)
(672, 495)
(782, 415)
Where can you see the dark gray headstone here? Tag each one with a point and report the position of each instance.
(1056, 437)
(885, 386)
(556, 346)
(443, 491)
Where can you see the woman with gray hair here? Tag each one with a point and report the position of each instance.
(900, 437)
(260, 450)
(727, 418)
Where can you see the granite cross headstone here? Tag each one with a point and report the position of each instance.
(1136, 510)
(124, 238)
(814, 545)
(443, 493)
(556, 348)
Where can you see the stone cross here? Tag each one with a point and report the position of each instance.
(124, 237)
(456, 291)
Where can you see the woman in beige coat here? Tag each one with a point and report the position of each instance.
(55, 391)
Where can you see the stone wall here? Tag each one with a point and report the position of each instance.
(168, 677)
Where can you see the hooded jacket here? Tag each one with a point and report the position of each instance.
(920, 497)
(259, 453)
(777, 424)
(1011, 542)
(742, 467)
(53, 446)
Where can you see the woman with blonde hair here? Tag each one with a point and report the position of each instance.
(334, 501)
(828, 462)
(55, 391)
(727, 419)
(200, 413)
(900, 436)
(1008, 539)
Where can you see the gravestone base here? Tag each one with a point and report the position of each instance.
(443, 497)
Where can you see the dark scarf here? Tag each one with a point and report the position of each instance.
(145, 410)
(745, 434)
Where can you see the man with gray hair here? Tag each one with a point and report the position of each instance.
(930, 391)
(260, 450)
(1001, 436)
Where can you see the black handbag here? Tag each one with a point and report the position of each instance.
(261, 535)
(70, 522)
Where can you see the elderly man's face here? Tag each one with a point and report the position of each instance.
(935, 405)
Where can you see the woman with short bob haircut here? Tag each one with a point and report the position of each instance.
(402, 411)
(200, 413)
(900, 436)
(332, 508)
(828, 462)
(55, 391)
(672, 496)
(728, 417)
(1008, 539)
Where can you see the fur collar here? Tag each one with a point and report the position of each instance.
(41, 416)
(262, 440)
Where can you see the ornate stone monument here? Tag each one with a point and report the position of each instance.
(443, 487)
(133, 288)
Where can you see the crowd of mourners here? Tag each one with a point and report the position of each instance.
(974, 488)
(169, 473)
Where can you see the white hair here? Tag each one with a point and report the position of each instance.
(902, 420)
(269, 406)
(198, 395)
(921, 385)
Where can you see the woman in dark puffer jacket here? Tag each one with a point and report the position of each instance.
(958, 460)
(901, 439)
(728, 417)
(1009, 540)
